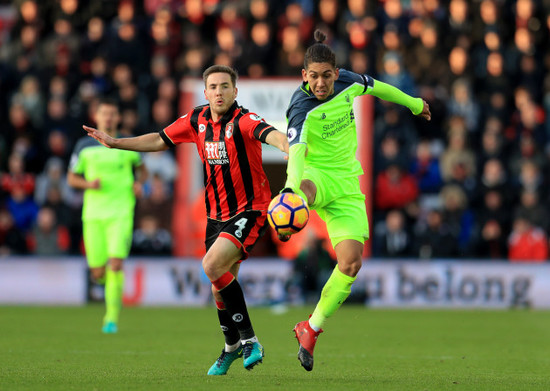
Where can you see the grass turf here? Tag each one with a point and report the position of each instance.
(62, 348)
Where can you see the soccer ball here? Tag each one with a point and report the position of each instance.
(287, 213)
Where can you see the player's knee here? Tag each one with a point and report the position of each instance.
(115, 264)
(97, 273)
(210, 266)
(350, 267)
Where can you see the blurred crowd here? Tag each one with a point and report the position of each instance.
(472, 183)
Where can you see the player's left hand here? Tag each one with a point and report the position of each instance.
(426, 114)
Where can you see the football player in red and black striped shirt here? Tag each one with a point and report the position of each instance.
(237, 194)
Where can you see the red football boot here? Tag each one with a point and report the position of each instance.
(307, 337)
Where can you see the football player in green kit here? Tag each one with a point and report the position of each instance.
(323, 169)
(110, 180)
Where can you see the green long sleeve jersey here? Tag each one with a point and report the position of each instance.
(326, 130)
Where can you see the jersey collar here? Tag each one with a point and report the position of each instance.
(226, 117)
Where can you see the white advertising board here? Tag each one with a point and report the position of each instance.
(173, 283)
(455, 284)
(181, 282)
(42, 281)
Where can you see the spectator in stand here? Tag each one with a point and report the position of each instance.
(163, 166)
(125, 47)
(425, 168)
(294, 15)
(67, 215)
(427, 61)
(392, 238)
(30, 96)
(493, 178)
(492, 143)
(12, 240)
(394, 123)
(291, 52)
(458, 161)
(16, 177)
(533, 210)
(58, 118)
(57, 145)
(463, 104)
(390, 151)
(93, 43)
(395, 74)
(459, 22)
(150, 239)
(458, 216)
(258, 54)
(159, 202)
(164, 32)
(47, 237)
(19, 125)
(22, 207)
(459, 64)
(54, 175)
(530, 178)
(492, 227)
(527, 243)
(434, 240)
(394, 188)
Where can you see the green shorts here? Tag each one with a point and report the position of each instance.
(107, 238)
(341, 204)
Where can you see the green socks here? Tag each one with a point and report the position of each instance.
(334, 293)
(114, 285)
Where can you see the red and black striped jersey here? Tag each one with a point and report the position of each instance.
(231, 152)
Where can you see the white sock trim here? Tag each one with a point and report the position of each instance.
(232, 348)
(253, 339)
(315, 328)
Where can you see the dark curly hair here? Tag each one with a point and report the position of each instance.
(319, 52)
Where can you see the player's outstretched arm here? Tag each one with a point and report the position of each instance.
(417, 106)
(150, 142)
(278, 139)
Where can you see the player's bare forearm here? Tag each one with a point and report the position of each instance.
(278, 140)
(79, 182)
(150, 142)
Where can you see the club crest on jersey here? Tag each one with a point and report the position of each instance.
(323, 116)
(229, 130)
(215, 152)
(202, 128)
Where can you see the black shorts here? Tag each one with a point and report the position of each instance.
(243, 230)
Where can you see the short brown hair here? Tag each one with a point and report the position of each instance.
(223, 69)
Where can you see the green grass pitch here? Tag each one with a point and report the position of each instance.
(62, 348)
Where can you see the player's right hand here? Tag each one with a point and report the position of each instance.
(102, 137)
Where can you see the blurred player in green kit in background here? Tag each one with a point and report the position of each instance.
(110, 179)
